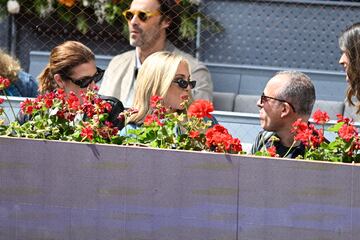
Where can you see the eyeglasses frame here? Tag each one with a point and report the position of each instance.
(191, 83)
(95, 78)
(263, 98)
(136, 12)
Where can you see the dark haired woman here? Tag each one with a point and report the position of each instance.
(349, 43)
(71, 67)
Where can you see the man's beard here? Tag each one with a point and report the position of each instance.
(145, 39)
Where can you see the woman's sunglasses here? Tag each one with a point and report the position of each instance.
(85, 81)
(142, 15)
(184, 84)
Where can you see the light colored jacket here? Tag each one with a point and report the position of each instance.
(119, 75)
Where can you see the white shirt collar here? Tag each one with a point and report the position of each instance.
(138, 62)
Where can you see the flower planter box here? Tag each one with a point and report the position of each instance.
(64, 190)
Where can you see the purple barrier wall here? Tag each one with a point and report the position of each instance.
(63, 190)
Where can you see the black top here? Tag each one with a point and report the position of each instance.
(263, 141)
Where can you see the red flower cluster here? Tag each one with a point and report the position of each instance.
(149, 119)
(320, 117)
(89, 107)
(343, 119)
(347, 131)
(349, 134)
(271, 151)
(155, 100)
(219, 140)
(180, 130)
(27, 106)
(4, 83)
(87, 132)
(200, 108)
(307, 134)
(158, 111)
(194, 134)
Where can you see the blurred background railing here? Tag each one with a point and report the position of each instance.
(279, 33)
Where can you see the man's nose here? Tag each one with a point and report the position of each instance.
(135, 20)
(259, 103)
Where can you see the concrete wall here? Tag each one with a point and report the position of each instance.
(113, 192)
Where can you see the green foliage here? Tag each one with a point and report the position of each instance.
(84, 13)
(172, 133)
(55, 116)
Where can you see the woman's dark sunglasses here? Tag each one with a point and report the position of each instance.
(85, 81)
(264, 99)
(142, 15)
(184, 84)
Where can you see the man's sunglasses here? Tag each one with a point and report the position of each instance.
(184, 84)
(85, 81)
(142, 15)
(265, 98)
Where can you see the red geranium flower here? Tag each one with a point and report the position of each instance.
(219, 139)
(343, 119)
(154, 100)
(149, 119)
(4, 83)
(200, 109)
(321, 117)
(27, 106)
(272, 151)
(73, 101)
(307, 134)
(236, 145)
(60, 94)
(347, 132)
(87, 133)
(194, 134)
(49, 99)
(299, 125)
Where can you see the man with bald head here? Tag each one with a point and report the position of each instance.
(288, 96)
(153, 24)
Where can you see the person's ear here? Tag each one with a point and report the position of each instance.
(286, 110)
(165, 23)
(59, 81)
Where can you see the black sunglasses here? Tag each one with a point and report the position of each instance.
(85, 82)
(264, 99)
(142, 15)
(184, 84)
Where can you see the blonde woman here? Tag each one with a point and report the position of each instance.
(166, 75)
(22, 83)
(162, 74)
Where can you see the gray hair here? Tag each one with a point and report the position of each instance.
(299, 91)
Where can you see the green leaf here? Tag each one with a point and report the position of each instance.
(82, 24)
(336, 127)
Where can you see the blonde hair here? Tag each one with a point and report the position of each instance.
(63, 58)
(9, 66)
(155, 77)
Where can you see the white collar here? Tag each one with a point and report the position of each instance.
(138, 62)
